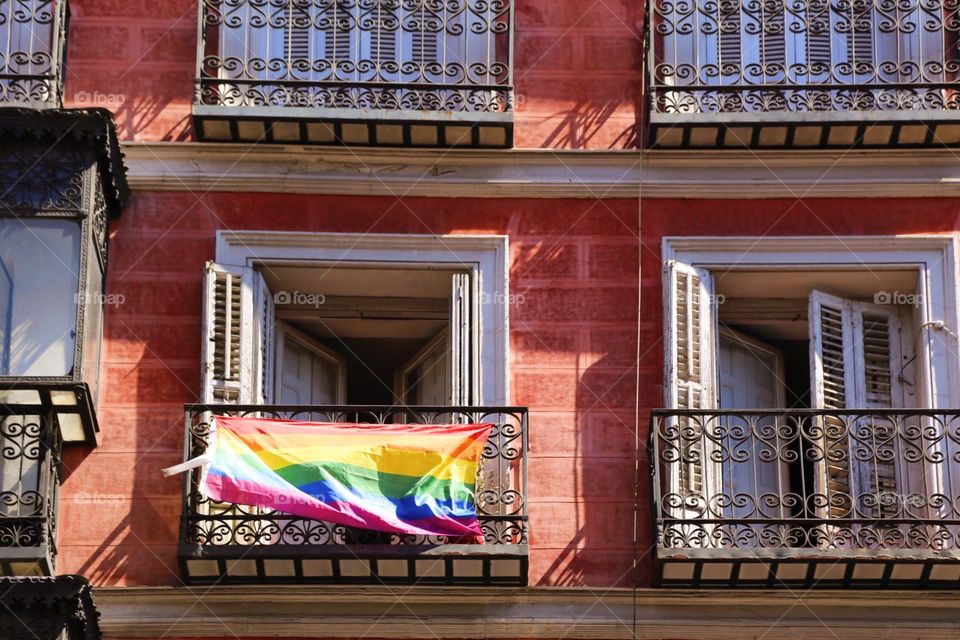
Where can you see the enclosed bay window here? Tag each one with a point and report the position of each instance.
(809, 423)
(39, 260)
(61, 180)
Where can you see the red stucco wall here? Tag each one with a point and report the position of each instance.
(573, 335)
(573, 274)
(577, 72)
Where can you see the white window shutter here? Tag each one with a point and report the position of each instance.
(463, 346)
(229, 368)
(856, 351)
(422, 39)
(221, 346)
(831, 361)
(264, 342)
(691, 380)
(819, 37)
(338, 34)
(860, 37)
(731, 30)
(296, 39)
(385, 35)
(691, 326)
(856, 355)
(773, 36)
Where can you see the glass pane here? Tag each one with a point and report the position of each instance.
(39, 260)
(93, 303)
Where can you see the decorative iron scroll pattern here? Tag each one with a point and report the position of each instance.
(35, 179)
(415, 55)
(757, 56)
(32, 37)
(500, 494)
(815, 479)
(29, 482)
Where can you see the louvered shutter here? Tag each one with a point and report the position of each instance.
(691, 379)
(426, 40)
(464, 374)
(338, 33)
(855, 351)
(222, 339)
(831, 387)
(774, 38)
(296, 39)
(263, 347)
(385, 36)
(730, 33)
(860, 37)
(819, 36)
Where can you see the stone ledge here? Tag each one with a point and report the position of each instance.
(436, 612)
(541, 173)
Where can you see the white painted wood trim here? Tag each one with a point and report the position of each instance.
(487, 255)
(541, 173)
(934, 256)
(476, 612)
(285, 331)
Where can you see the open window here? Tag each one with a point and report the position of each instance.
(767, 369)
(330, 335)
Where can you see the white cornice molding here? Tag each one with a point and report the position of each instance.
(541, 173)
(430, 613)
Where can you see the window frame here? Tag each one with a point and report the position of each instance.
(485, 256)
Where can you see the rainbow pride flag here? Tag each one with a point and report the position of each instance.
(410, 479)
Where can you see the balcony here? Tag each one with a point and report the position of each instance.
(32, 48)
(30, 445)
(427, 73)
(822, 73)
(228, 543)
(807, 498)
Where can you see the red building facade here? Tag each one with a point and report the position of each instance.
(649, 268)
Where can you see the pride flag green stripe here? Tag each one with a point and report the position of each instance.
(372, 482)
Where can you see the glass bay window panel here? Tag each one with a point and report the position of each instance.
(38, 295)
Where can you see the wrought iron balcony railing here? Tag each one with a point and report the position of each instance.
(30, 446)
(815, 497)
(394, 72)
(32, 45)
(869, 72)
(222, 542)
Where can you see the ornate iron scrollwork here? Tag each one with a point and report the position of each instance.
(759, 56)
(412, 55)
(816, 479)
(31, 51)
(500, 498)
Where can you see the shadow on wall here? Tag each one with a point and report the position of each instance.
(600, 554)
(585, 122)
(579, 75)
(147, 118)
(582, 505)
